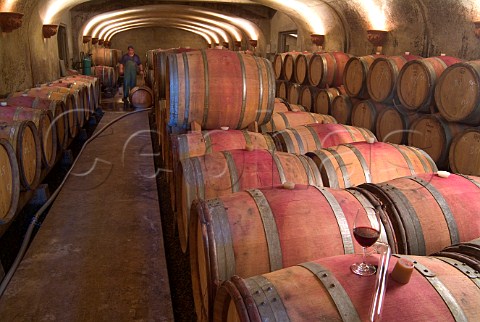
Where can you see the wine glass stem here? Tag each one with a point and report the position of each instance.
(364, 256)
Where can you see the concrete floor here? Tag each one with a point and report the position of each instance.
(99, 255)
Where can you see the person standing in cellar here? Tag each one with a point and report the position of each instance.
(128, 67)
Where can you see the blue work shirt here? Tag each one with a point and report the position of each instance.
(134, 58)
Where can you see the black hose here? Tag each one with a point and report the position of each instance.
(28, 234)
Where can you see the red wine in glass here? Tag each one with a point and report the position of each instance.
(366, 236)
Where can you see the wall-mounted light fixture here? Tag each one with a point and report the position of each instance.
(377, 38)
(477, 29)
(106, 44)
(253, 43)
(100, 42)
(49, 30)
(94, 40)
(10, 21)
(225, 44)
(318, 40)
(237, 44)
(86, 39)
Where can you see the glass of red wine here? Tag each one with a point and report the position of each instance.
(366, 230)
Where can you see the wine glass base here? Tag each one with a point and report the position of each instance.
(363, 269)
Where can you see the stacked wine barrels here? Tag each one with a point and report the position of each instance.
(106, 61)
(36, 126)
(250, 203)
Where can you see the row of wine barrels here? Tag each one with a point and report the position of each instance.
(429, 212)
(91, 92)
(79, 92)
(289, 65)
(66, 98)
(326, 290)
(464, 153)
(106, 56)
(43, 120)
(456, 93)
(107, 76)
(351, 164)
(236, 99)
(223, 173)
(23, 137)
(300, 74)
(56, 107)
(9, 181)
(393, 124)
(312, 137)
(282, 121)
(95, 85)
(278, 68)
(365, 114)
(262, 230)
(323, 99)
(355, 75)
(417, 80)
(383, 75)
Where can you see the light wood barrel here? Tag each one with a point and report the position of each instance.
(104, 56)
(214, 98)
(467, 253)
(393, 125)
(429, 213)
(141, 97)
(96, 85)
(355, 75)
(107, 76)
(306, 97)
(282, 89)
(327, 290)
(43, 120)
(262, 230)
(289, 65)
(9, 183)
(68, 102)
(323, 99)
(326, 69)
(92, 98)
(312, 137)
(301, 68)
(456, 93)
(342, 107)
(56, 107)
(365, 113)
(293, 93)
(434, 135)
(278, 69)
(348, 165)
(282, 121)
(223, 173)
(464, 153)
(23, 137)
(417, 79)
(282, 105)
(382, 77)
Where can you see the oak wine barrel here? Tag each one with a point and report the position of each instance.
(106, 75)
(434, 135)
(282, 89)
(382, 77)
(80, 93)
(289, 65)
(9, 182)
(91, 79)
(428, 212)
(43, 120)
(456, 93)
(278, 69)
(200, 90)
(393, 125)
(300, 75)
(355, 75)
(141, 97)
(327, 290)
(23, 137)
(282, 105)
(262, 230)
(342, 107)
(312, 137)
(282, 121)
(351, 164)
(223, 173)
(365, 113)
(293, 93)
(464, 152)
(56, 107)
(467, 253)
(326, 69)
(90, 85)
(323, 99)
(104, 56)
(306, 97)
(417, 79)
